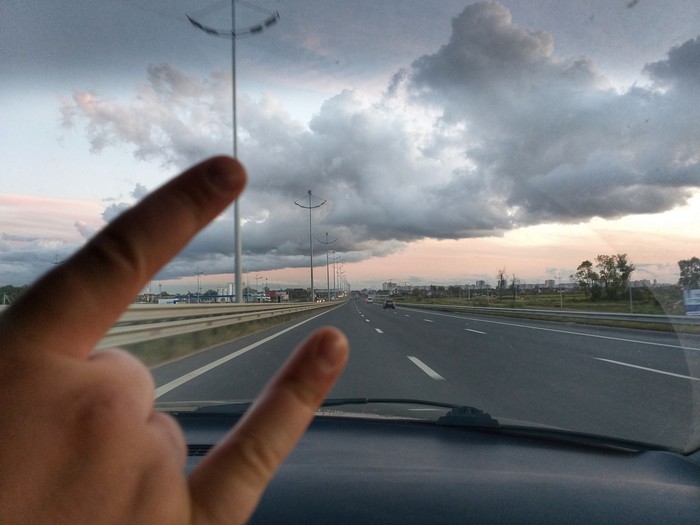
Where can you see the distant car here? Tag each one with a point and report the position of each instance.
(389, 303)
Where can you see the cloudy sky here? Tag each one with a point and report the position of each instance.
(447, 140)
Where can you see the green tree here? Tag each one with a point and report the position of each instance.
(501, 280)
(614, 272)
(10, 293)
(586, 277)
(690, 273)
(454, 291)
(514, 283)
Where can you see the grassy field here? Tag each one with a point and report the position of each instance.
(656, 301)
(659, 301)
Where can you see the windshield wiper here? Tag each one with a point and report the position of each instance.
(455, 415)
(339, 401)
(458, 415)
(465, 416)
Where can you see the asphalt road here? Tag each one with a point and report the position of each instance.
(632, 384)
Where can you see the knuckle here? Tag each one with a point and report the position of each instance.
(116, 248)
(259, 459)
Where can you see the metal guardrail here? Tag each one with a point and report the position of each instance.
(570, 314)
(142, 322)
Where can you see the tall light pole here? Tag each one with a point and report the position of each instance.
(311, 239)
(561, 293)
(335, 271)
(257, 279)
(328, 277)
(199, 286)
(234, 34)
(341, 276)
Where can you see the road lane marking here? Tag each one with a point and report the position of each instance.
(428, 321)
(367, 320)
(648, 369)
(475, 331)
(420, 364)
(167, 387)
(622, 339)
(379, 331)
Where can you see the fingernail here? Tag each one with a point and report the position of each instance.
(332, 352)
(225, 174)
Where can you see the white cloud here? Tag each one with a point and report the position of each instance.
(491, 132)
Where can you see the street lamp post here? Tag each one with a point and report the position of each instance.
(257, 291)
(233, 34)
(561, 294)
(328, 277)
(335, 271)
(199, 286)
(311, 241)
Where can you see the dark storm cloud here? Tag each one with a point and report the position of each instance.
(491, 132)
(682, 65)
(563, 145)
(23, 258)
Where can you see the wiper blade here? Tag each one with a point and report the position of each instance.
(465, 416)
(458, 415)
(384, 400)
(209, 407)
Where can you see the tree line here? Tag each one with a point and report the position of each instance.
(690, 273)
(608, 279)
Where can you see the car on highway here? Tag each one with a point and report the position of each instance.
(523, 176)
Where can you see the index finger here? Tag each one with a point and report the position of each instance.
(70, 308)
(228, 483)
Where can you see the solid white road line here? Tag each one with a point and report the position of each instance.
(420, 364)
(167, 387)
(568, 332)
(648, 369)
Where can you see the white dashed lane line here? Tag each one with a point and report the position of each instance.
(379, 331)
(431, 373)
(428, 320)
(475, 331)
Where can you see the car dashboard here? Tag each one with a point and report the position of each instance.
(373, 470)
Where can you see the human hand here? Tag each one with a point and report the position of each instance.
(80, 441)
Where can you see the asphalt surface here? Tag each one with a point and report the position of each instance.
(632, 384)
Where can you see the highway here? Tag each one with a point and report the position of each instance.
(634, 384)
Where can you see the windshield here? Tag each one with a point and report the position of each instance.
(497, 202)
